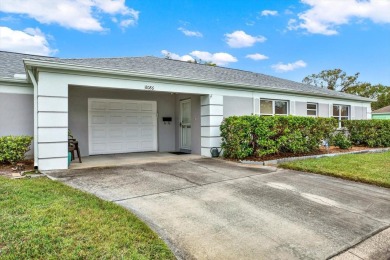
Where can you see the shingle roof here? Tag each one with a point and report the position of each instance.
(11, 63)
(382, 110)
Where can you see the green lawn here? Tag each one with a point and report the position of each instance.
(373, 168)
(43, 219)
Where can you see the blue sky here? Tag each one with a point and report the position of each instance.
(288, 39)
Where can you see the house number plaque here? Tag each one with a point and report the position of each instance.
(149, 87)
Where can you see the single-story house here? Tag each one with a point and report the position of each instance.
(381, 113)
(136, 104)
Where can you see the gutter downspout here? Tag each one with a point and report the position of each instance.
(34, 82)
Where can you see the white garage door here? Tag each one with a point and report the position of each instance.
(121, 126)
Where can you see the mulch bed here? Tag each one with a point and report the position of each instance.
(8, 169)
(322, 150)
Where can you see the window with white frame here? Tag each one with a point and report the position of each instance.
(341, 112)
(312, 109)
(269, 107)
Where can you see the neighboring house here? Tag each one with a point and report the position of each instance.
(120, 105)
(381, 113)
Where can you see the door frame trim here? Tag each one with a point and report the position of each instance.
(181, 147)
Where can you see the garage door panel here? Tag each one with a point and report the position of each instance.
(115, 106)
(147, 133)
(116, 133)
(98, 118)
(132, 106)
(116, 146)
(132, 120)
(132, 132)
(97, 148)
(132, 146)
(146, 145)
(147, 119)
(98, 105)
(98, 132)
(147, 107)
(122, 126)
(115, 119)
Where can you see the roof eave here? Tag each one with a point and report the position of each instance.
(14, 81)
(29, 63)
(379, 113)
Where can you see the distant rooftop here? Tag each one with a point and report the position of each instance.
(12, 63)
(382, 110)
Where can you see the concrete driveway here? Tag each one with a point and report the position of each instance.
(211, 209)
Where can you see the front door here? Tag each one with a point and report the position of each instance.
(185, 124)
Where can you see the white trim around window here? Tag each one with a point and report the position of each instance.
(271, 107)
(341, 112)
(312, 109)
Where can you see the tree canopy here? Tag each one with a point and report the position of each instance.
(337, 79)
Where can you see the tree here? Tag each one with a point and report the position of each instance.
(168, 56)
(337, 79)
(199, 61)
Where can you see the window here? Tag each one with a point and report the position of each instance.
(341, 112)
(273, 107)
(312, 109)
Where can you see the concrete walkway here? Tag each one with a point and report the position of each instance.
(212, 209)
(376, 247)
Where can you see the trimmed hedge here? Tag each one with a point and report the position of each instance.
(244, 136)
(14, 148)
(371, 133)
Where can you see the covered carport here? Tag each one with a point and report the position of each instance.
(68, 96)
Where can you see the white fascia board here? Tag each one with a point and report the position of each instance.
(15, 86)
(52, 65)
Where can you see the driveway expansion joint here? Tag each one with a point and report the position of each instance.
(189, 187)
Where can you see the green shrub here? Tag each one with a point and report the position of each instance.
(372, 133)
(341, 140)
(258, 136)
(14, 148)
(237, 137)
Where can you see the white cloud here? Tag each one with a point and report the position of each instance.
(31, 41)
(190, 33)
(127, 22)
(323, 17)
(268, 12)
(219, 58)
(280, 67)
(240, 39)
(257, 56)
(175, 56)
(81, 15)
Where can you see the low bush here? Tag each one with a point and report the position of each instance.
(341, 140)
(236, 131)
(14, 148)
(371, 133)
(244, 136)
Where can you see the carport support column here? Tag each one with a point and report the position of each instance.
(52, 122)
(211, 118)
